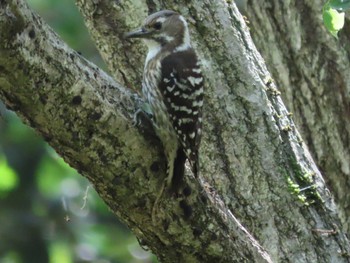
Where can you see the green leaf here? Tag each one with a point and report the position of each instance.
(60, 252)
(333, 20)
(11, 257)
(50, 174)
(340, 5)
(8, 177)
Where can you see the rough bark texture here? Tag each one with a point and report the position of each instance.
(311, 69)
(248, 206)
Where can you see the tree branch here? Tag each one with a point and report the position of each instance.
(250, 155)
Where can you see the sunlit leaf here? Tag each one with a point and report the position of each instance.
(333, 20)
(11, 257)
(8, 177)
(52, 170)
(60, 252)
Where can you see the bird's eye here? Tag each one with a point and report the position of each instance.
(157, 25)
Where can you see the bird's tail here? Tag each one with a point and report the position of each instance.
(179, 170)
(194, 162)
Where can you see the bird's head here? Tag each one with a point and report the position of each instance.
(164, 28)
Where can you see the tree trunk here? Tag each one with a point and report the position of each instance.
(311, 69)
(260, 197)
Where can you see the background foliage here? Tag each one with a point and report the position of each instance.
(49, 213)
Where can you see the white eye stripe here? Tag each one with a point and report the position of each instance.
(167, 38)
(161, 19)
(186, 43)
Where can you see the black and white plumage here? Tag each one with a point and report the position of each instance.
(173, 86)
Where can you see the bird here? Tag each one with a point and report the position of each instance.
(172, 85)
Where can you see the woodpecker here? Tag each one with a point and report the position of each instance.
(173, 87)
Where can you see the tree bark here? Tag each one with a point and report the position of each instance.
(311, 69)
(260, 197)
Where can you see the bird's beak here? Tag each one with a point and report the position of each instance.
(138, 33)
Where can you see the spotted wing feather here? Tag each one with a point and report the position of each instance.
(181, 86)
